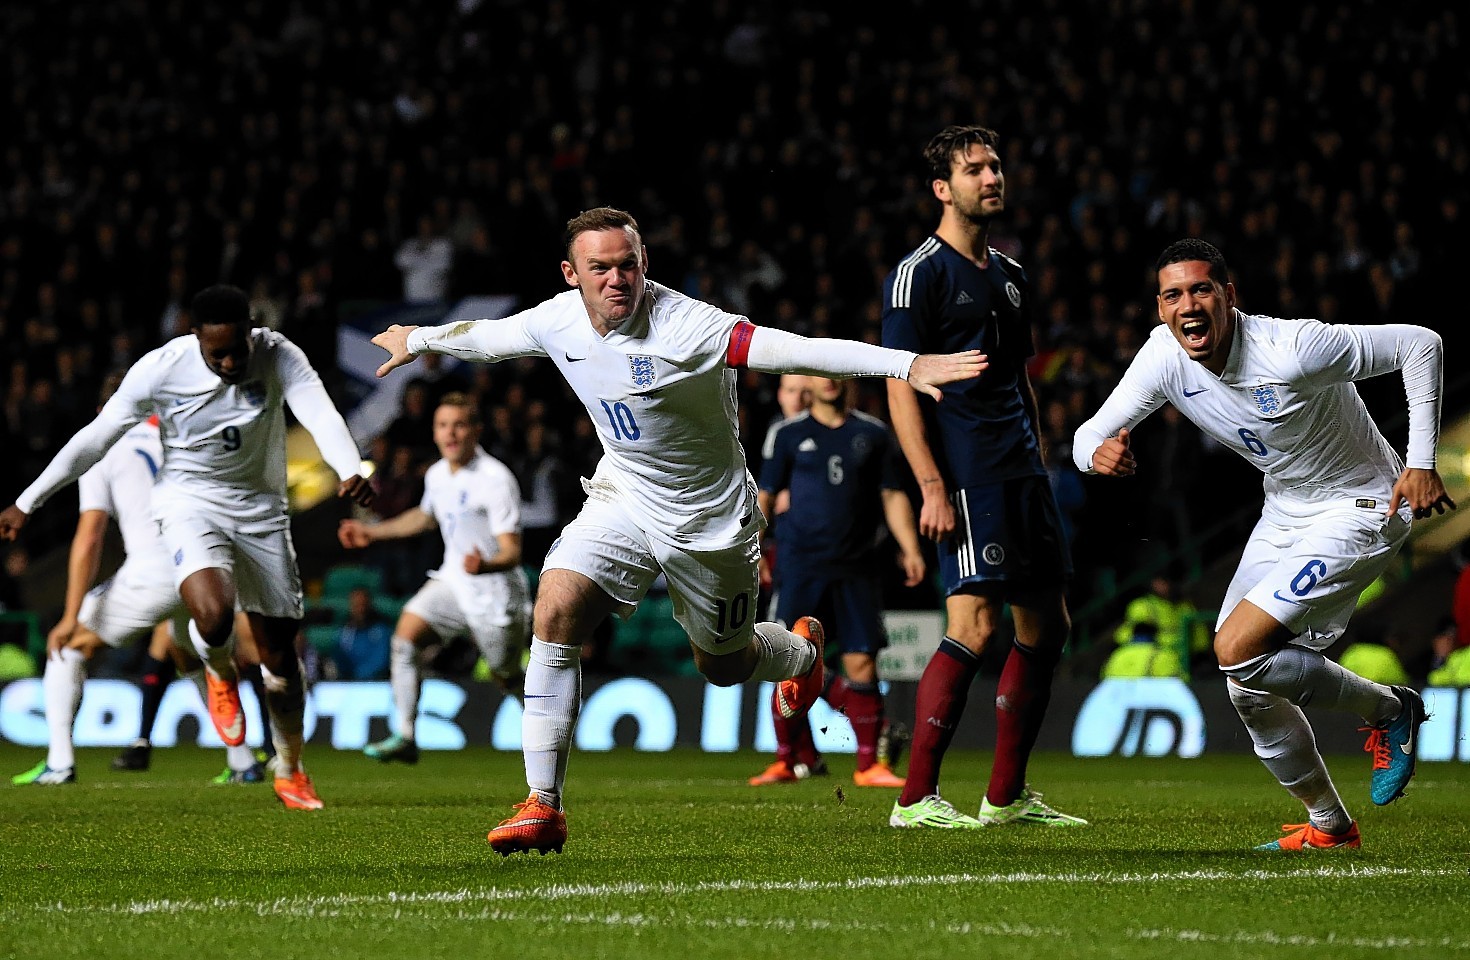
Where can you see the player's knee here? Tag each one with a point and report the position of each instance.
(214, 625)
(85, 642)
(556, 621)
(724, 671)
(1230, 648)
(1249, 703)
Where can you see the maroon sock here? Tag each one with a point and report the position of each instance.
(803, 747)
(1021, 699)
(787, 733)
(863, 706)
(943, 690)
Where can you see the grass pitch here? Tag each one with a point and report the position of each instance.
(673, 856)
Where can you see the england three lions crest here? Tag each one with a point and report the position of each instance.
(643, 370)
(1268, 401)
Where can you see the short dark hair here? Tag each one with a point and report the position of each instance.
(599, 218)
(940, 152)
(1193, 248)
(221, 303)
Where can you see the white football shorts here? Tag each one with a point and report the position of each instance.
(1308, 573)
(139, 596)
(495, 612)
(714, 591)
(258, 554)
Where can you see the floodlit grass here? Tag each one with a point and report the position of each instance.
(672, 856)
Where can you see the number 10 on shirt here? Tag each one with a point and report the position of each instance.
(621, 418)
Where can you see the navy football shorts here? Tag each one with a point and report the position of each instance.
(1008, 532)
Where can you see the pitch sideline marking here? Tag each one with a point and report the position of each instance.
(305, 906)
(651, 920)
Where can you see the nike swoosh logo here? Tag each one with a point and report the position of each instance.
(538, 696)
(1407, 747)
(1278, 596)
(572, 359)
(1195, 393)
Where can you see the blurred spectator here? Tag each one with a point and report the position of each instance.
(1450, 666)
(1144, 656)
(425, 261)
(1162, 617)
(1460, 601)
(16, 660)
(362, 646)
(549, 494)
(413, 424)
(1378, 662)
(398, 485)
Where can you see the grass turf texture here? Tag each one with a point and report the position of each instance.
(672, 855)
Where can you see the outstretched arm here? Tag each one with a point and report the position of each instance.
(354, 534)
(79, 455)
(777, 351)
(481, 341)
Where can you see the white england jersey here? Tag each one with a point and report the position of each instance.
(473, 506)
(660, 393)
(1286, 403)
(121, 486)
(223, 444)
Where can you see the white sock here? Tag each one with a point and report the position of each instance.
(781, 654)
(239, 758)
(1284, 741)
(61, 687)
(285, 699)
(403, 677)
(552, 700)
(1307, 678)
(219, 660)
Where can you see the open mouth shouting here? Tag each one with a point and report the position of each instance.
(1195, 333)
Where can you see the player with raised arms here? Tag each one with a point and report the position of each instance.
(656, 372)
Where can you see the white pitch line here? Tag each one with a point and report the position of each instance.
(309, 906)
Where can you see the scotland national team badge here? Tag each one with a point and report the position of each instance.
(253, 393)
(643, 371)
(1013, 294)
(1266, 398)
(993, 554)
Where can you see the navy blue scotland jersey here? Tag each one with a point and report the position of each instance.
(938, 301)
(836, 477)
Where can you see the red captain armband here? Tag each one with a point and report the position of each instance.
(739, 350)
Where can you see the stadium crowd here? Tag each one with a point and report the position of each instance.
(333, 156)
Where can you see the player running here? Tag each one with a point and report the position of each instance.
(1339, 504)
(139, 598)
(656, 372)
(480, 589)
(220, 394)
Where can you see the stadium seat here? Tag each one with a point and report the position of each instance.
(343, 579)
